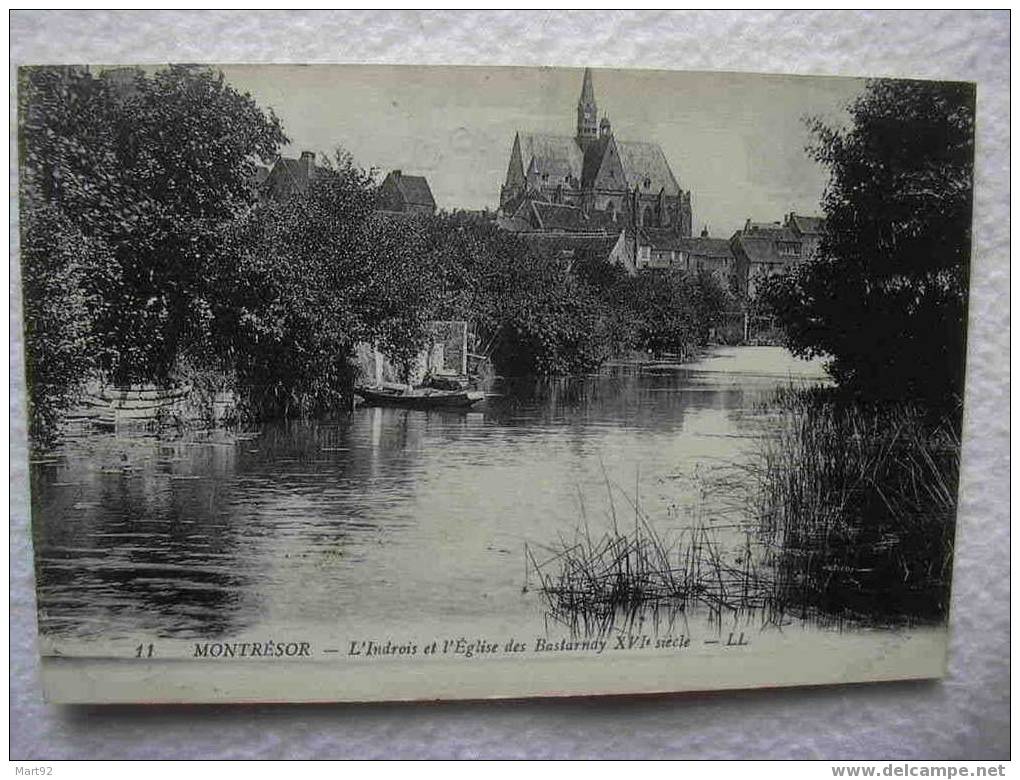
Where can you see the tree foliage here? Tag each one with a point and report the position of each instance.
(154, 171)
(885, 299)
(61, 272)
(307, 279)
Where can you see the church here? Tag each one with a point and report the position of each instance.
(625, 183)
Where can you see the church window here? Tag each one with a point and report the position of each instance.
(648, 183)
(646, 217)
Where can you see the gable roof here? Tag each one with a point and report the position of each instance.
(807, 226)
(414, 189)
(659, 239)
(568, 245)
(293, 170)
(557, 216)
(643, 161)
(703, 246)
(760, 243)
(557, 156)
(539, 214)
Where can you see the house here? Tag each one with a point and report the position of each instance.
(406, 194)
(714, 255)
(808, 230)
(289, 176)
(766, 248)
(656, 248)
(630, 181)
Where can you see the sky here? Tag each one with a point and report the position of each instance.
(736, 141)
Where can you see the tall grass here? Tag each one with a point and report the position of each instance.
(594, 583)
(846, 512)
(856, 506)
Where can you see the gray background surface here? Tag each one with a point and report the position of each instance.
(964, 717)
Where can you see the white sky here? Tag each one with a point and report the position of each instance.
(735, 140)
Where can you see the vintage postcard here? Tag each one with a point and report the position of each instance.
(354, 383)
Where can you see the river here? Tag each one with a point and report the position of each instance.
(391, 514)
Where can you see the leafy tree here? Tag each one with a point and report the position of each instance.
(304, 281)
(154, 170)
(886, 297)
(60, 270)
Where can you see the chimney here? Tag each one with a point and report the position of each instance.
(397, 173)
(308, 163)
(704, 232)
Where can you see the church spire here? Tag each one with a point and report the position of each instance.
(587, 90)
(587, 112)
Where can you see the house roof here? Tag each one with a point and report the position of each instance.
(570, 244)
(557, 216)
(538, 214)
(763, 227)
(294, 170)
(660, 239)
(807, 226)
(704, 246)
(641, 162)
(514, 224)
(761, 245)
(557, 156)
(414, 189)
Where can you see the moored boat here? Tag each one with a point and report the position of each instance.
(419, 398)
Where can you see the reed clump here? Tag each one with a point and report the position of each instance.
(844, 515)
(856, 504)
(594, 583)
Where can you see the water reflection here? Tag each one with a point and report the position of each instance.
(392, 513)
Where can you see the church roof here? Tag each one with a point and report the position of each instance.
(557, 156)
(642, 161)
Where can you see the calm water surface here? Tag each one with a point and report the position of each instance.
(391, 513)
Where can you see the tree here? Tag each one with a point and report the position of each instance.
(154, 171)
(885, 298)
(60, 271)
(304, 281)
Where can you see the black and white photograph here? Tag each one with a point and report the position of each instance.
(380, 382)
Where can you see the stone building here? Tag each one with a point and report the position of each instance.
(658, 248)
(630, 182)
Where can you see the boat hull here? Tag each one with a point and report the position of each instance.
(434, 399)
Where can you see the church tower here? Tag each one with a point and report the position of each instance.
(587, 114)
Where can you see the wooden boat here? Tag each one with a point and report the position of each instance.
(419, 398)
